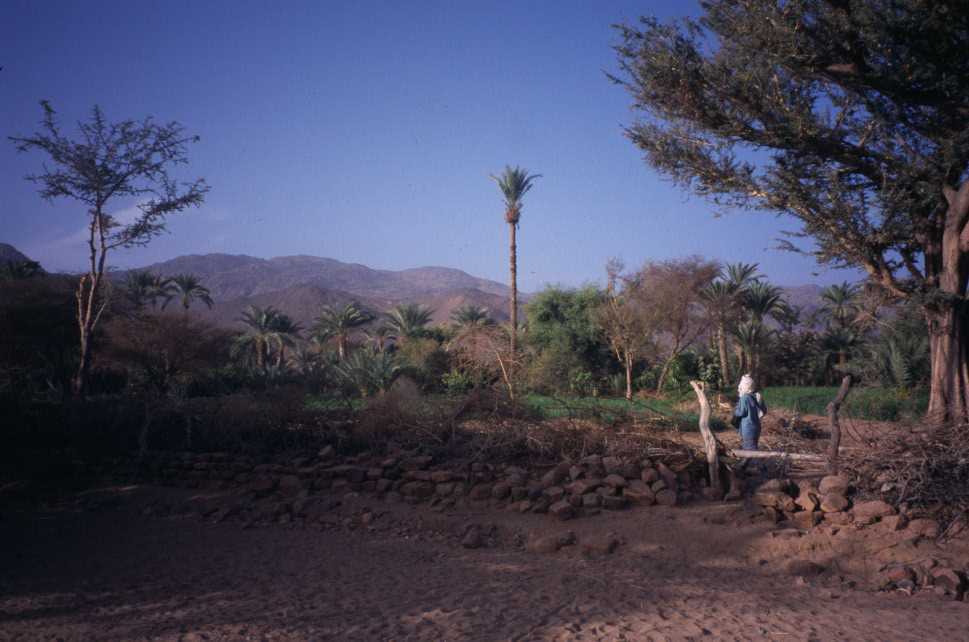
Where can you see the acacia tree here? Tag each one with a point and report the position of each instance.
(671, 293)
(624, 321)
(109, 163)
(853, 117)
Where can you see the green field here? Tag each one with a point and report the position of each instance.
(881, 404)
(616, 409)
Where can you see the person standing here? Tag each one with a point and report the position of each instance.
(750, 408)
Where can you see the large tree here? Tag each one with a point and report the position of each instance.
(850, 115)
(514, 183)
(107, 164)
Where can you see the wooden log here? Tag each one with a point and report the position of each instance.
(775, 454)
(835, 425)
(709, 440)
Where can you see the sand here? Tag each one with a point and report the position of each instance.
(107, 572)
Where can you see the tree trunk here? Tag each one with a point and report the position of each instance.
(663, 373)
(710, 445)
(513, 312)
(629, 377)
(724, 359)
(835, 445)
(949, 383)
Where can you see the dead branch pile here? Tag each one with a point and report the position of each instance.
(926, 471)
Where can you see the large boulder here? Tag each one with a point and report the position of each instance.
(868, 512)
(834, 484)
(833, 503)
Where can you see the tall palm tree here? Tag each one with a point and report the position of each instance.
(261, 333)
(839, 304)
(741, 275)
(188, 287)
(339, 323)
(469, 315)
(409, 320)
(514, 183)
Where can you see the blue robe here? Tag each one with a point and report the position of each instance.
(748, 410)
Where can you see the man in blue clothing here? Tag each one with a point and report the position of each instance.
(750, 408)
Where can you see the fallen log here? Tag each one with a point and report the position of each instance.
(775, 454)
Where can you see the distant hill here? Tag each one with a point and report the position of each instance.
(300, 285)
(10, 253)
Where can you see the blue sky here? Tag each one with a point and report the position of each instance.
(366, 131)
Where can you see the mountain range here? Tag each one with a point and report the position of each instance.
(301, 285)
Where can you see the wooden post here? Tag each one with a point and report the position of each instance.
(833, 409)
(709, 441)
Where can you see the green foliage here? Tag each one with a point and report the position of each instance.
(514, 183)
(565, 336)
(878, 404)
(368, 372)
(456, 382)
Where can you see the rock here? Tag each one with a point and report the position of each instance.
(666, 497)
(629, 470)
(562, 510)
(638, 492)
(658, 485)
(418, 489)
(554, 493)
(519, 493)
(444, 490)
(556, 475)
(600, 544)
(805, 520)
(803, 568)
(576, 500)
(712, 494)
(833, 502)
(441, 476)
(383, 485)
(894, 522)
(952, 581)
(613, 465)
(649, 475)
(500, 490)
(614, 502)
(666, 475)
(868, 512)
(895, 574)
(327, 452)
(775, 499)
(575, 472)
(416, 463)
(550, 543)
(593, 461)
(616, 481)
(262, 487)
(290, 484)
(473, 538)
(837, 518)
(773, 485)
(772, 515)
(583, 486)
(834, 484)
(589, 500)
(540, 505)
(928, 528)
(481, 491)
(808, 500)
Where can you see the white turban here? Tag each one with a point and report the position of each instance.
(746, 385)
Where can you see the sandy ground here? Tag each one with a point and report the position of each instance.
(107, 572)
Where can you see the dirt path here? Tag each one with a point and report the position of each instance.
(113, 574)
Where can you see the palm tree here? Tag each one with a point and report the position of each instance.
(188, 287)
(261, 333)
(409, 320)
(721, 301)
(470, 315)
(752, 338)
(369, 372)
(762, 299)
(142, 287)
(514, 183)
(339, 323)
(286, 333)
(379, 336)
(840, 304)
